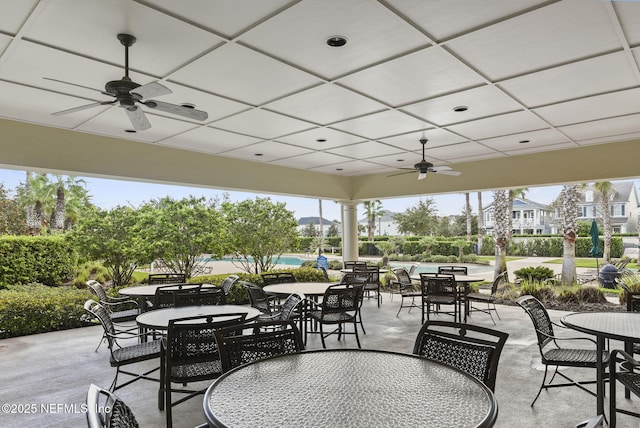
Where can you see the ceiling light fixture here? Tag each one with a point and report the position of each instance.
(321, 140)
(523, 141)
(336, 41)
(259, 154)
(460, 109)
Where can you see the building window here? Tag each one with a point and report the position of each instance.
(588, 196)
(617, 210)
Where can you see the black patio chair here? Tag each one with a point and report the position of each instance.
(124, 355)
(350, 264)
(372, 282)
(453, 270)
(438, 290)
(228, 283)
(107, 410)
(552, 353)
(202, 296)
(406, 289)
(595, 422)
(269, 278)
(489, 299)
(340, 306)
(627, 374)
(473, 349)
(166, 278)
(256, 341)
(189, 353)
(165, 296)
(259, 299)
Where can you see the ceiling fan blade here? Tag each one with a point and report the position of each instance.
(153, 89)
(79, 86)
(403, 173)
(79, 108)
(189, 112)
(448, 172)
(138, 118)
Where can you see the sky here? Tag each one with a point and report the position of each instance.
(106, 193)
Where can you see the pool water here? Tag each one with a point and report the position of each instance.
(284, 260)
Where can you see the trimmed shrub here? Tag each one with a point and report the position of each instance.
(540, 291)
(48, 260)
(582, 295)
(35, 308)
(534, 273)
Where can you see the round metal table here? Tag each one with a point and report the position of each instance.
(159, 319)
(309, 289)
(348, 388)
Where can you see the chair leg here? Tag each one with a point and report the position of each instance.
(355, 329)
(322, 336)
(544, 378)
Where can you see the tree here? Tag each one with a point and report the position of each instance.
(112, 236)
(333, 230)
(459, 226)
(570, 196)
(178, 232)
(12, 217)
(606, 191)
(321, 235)
(419, 219)
(71, 197)
(35, 196)
(372, 209)
(259, 231)
(386, 248)
(502, 229)
(467, 211)
(309, 231)
(480, 221)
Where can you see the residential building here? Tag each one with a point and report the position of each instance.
(528, 217)
(303, 223)
(385, 224)
(623, 206)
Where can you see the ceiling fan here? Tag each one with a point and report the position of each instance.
(423, 167)
(130, 95)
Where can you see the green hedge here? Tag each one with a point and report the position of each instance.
(48, 260)
(35, 308)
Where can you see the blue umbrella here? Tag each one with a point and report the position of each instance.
(595, 240)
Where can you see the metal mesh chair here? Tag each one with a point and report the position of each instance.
(372, 282)
(552, 353)
(165, 296)
(591, 423)
(106, 410)
(189, 353)
(269, 278)
(473, 349)
(228, 283)
(203, 296)
(489, 299)
(453, 270)
(166, 278)
(124, 355)
(353, 263)
(405, 288)
(627, 374)
(256, 341)
(340, 305)
(437, 290)
(258, 298)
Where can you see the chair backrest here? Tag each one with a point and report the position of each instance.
(473, 349)
(192, 340)
(290, 306)
(352, 263)
(339, 298)
(256, 341)
(165, 296)
(166, 278)
(101, 314)
(97, 288)
(540, 318)
(438, 285)
(402, 276)
(228, 282)
(202, 296)
(496, 282)
(257, 297)
(269, 278)
(455, 270)
(107, 410)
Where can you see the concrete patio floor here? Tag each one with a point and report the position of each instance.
(54, 370)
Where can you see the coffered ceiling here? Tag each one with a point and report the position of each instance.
(550, 90)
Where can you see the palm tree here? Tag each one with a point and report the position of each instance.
(570, 196)
(467, 209)
(36, 198)
(321, 237)
(480, 221)
(606, 191)
(502, 229)
(372, 209)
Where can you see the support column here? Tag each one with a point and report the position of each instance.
(349, 230)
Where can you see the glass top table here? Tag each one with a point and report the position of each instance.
(348, 388)
(159, 319)
(307, 288)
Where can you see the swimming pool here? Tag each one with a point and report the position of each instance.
(284, 260)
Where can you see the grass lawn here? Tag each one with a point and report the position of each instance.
(588, 262)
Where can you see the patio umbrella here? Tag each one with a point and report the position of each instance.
(595, 243)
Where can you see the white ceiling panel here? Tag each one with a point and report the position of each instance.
(262, 124)
(496, 126)
(575, 80)
(537, 149)
(266, 151)
(379, 125)
(459, 151)
(209, 140)
(327, 103)
(354, 167)
(435, 137)
(628, 14)
(614, 126)
(298, 36)
(366, 150)
(321, 138)
(592, 108)
(480, 102)
(561, 32)
(423, 74)
(443, 19)
(311, 160)
(225, 17)
(243, 75)
(538, 139)
(14, 14)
